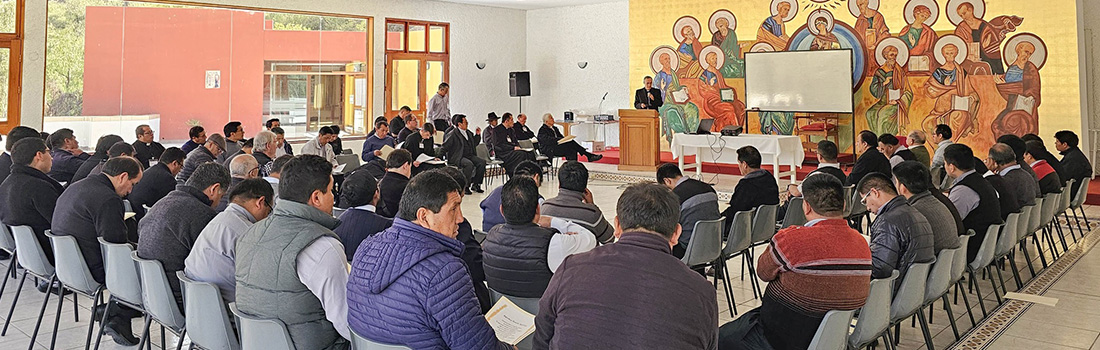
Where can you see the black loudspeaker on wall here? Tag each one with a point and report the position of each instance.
(519, 84)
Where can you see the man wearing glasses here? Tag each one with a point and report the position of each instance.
(214, 146)
(900, 235)
(241, 167)
(145, 149)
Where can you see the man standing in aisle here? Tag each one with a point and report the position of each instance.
(439, 108)
(648, 97)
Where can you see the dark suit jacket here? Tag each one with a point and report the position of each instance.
(396, 125)
(144, 152)
(417, 146)
(389, 191)
(871, 161)
(755, 189)
(87, 210)
(522, 132)
(29, 198)
(5, 166)
(357, 225)
(404, 134)
(65, 164)
(548, 140)
(1076, 166)
(835, 172)
(87, 167)
(641, 97)
(154, 185)
(504, 141)
(456, 147)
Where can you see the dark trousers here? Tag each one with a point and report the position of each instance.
(441, 125)
(513, 158)
(473, 168)
(570, 150)
(744, 333)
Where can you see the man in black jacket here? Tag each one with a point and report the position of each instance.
(207, 152)
(16, 134)
(520, 128)
(145, 148)
(172, 226)
(900, 235)
(459, 147)
(648, 97)
(420, 143)
(67, 156)
(506, 145)
(548, 143)
(157, 181)
(491, 130)
(91, 209)
(756, 188)
(102, 152)
(1075, 163)
(398, 121)
(870, 161)
(29, 196)
(392, 185)
(409, 129)
(698, 202)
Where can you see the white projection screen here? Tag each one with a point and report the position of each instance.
(799, 81)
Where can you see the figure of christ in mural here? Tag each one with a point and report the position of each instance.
(1020, 86)
(890, 85)
(686, 30)
(956, 102)
(722, 26)
(774, 30)
(871, 26)
(918, 35)
(824, 39)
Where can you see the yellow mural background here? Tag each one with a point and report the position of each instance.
(1055, 21)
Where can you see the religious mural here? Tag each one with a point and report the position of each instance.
(982, 77)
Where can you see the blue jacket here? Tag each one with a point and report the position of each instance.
(409, 286)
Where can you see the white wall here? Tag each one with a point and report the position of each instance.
(558, 38)
(1088, 16)
(492, 35)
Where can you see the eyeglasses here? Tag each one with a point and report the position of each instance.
(863, 197)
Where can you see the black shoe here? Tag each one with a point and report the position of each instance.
(4, 255)
(121, 332)
(43, 286)
(99, 309)
(468, 192)
(477, 188)
(594, 157)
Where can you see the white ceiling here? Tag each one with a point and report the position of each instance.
(529, 4)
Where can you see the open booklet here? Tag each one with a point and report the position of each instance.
(339, 168)
(424, 158)
(511, 323)
(566, 139)
(385, 152)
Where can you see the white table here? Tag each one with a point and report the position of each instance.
(776, 150)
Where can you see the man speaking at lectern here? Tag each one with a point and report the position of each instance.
(648, 97)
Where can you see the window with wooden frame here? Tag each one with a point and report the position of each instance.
(417, 61)
(11, 62)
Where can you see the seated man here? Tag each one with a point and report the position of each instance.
(246, 148)
(891, 147)
(398, 121)
(942, 137)
(972, 195)
(196, 138)
(424, 296)
(549, 146)
(574, 202)
(117, 150)
(1002, 161)
(916, 140)
(490, 206)
(585, 306)
(372, 147)
(291, 266)
(158, 181)
(913, 182)
(870, 159)
(472, 253)
(900, 235)
(66, 153)
(827, 154)
(1076, 164)
(242, 167)
(264, 147)
(359, 194)
(276, 173)
(795, 301)
(14, 135)
(410, 127)
(212, 257)
(490, 130)
(29, 196)
(207, 152)
(698, 202)
(459, 146)
(91, 209)
(319, 146)
(1049, 157)
(398, 172)
(1019, 147)
(521, 255)
(234, 141)
(1048, 178)
(145, 148)
(506, 145)
(421, 143)
(521, 130)
(102, 153)
(172, 226)
(756, 188)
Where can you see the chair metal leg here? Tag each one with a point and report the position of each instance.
(183, 334)
(993, 284)
(103, 321)
(1038, 249)
(57, 317)
(7, 321)
(729, 288)
(897, 334)
(924, 329)
(981, 301)
(1061, 234)
(931, 308)
(758, 291)
(162, 341)
(7, 276)
(96, 301)
(1088, 225)
(145, 341)
(1015, 270)
(950, 316)
(889, 345)
(1069, 226)
(41, 312)
(1078, 221)
(1000, 277)
(966, 302)
(1027, 257)
(76, 309)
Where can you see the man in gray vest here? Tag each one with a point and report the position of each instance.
(291, 266)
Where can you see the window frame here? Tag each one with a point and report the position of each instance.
(13, 41)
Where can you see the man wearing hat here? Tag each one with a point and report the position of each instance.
(208, 152)
(491, 130)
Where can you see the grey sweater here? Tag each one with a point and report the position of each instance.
(170, 229)
(945, 234)
(570, 205)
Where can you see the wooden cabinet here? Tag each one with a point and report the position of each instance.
(639, 139)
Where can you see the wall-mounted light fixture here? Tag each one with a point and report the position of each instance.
(480, 65)
(582, 64)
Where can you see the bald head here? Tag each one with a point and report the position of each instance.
(244, 166)
(1002, 154)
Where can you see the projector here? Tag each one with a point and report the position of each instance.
(604, 117)
(731, 130)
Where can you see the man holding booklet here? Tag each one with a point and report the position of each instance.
(553, 144)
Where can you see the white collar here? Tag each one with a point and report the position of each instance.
(367, 207)
(828, 165)
(1032, 164)
(273, 180)
(1008, 169)
(681, 180)
(814, 222)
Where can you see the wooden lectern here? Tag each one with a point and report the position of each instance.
(639, 139)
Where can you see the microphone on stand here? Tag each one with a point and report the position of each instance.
(599, 110)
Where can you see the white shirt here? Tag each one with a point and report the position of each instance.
(323, 268)
(274, 184)
(563, 245)
(366, 207)
(1008, 169)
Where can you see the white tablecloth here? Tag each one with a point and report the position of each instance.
(774, 149)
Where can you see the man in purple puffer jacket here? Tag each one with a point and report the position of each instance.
(408, 284)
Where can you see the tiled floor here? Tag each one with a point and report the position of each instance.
(1073, 324)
